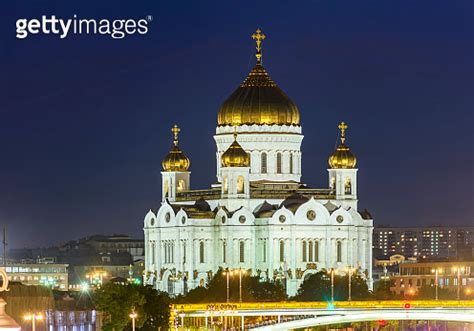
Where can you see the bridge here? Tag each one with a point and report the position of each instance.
(296, 315)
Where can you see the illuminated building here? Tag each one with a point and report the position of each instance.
(259, 216)
(412, 276)
(448, 242)
(53, 275)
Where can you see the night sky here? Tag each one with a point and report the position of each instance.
(85, 121)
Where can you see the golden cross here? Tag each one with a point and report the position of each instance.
(175, 131)
(343, 126)
(258, 37)
(235, 133)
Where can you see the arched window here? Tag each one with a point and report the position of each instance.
(316, 251)
(226, 185)
(278, 163)
(240, 184)
(333, 183)
(181, 185)
(224, 251)
(201, 252)
(310, 251)
(242, 251)
(282, 251)
(264, 163)
(291, 163)
(304, 252)
(348, 186)
(339, 251)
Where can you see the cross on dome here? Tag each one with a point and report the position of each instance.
(176, 130)
(343, 126)
(258, 37)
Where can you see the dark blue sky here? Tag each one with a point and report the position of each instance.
(85, 121)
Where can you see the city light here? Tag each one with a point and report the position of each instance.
(33, 317)
(133, 315)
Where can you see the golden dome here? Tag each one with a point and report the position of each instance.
(342, 158)
(175, 160)
(235, 156)
(258, 100)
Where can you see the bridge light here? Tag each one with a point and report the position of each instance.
(407, 306)
(382, 322)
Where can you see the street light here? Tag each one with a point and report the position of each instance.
(228, 273)
(349, 273)
(436, 272)
(331, 272)
(241, 271)
(133, 316)
(33, 317)
(458, 270)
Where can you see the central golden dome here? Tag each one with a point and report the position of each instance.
(258, 100)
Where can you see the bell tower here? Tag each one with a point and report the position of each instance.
(343, 173)
(175, 175)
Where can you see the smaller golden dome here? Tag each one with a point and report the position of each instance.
(235, 156)
(175, 160)
(342, 158)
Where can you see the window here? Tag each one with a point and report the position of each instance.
(184, 251)
(240, 184)
(166, 188)
(304, 252)
(278, 163)
(310, 251)
(224, 251)
(333, 183)
(201, 252)
(242, 251)
(339, 251)
(316, 251)
(282, 251)
(153, 258)
(264, 251)
(348, 186)
(291, 163)
(170, 284)
(226, 185)
(181, 185)
(264, 163)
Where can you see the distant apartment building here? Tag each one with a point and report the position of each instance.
(53, 275)
(424, 242)
(412, 276)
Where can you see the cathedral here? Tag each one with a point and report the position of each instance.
(259, 216)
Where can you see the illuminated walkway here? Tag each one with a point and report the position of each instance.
(291, 315)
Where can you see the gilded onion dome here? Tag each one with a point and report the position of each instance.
(342, 158)
(175, 160)
(235, 155)
(258, 100)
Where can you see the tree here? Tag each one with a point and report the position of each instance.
(116, 301)
(253, 289)
(382, 290)
(317, 287)
(156, 308)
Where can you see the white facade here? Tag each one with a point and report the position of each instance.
(265, 227)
